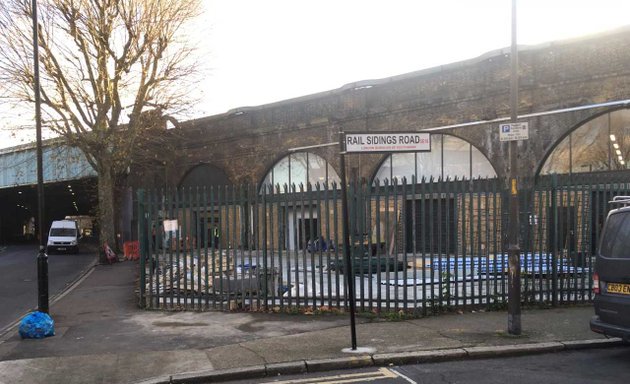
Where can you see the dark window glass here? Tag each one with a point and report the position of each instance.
(616, 241)
(435, 226)
(63, 232)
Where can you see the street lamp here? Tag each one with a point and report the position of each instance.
(42, 257)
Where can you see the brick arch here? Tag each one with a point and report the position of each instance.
(204, 175)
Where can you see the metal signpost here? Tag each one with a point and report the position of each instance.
(369, 143)
(346, 243)
(514, 132)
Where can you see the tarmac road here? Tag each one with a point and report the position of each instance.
(18, 278)
(581, 366)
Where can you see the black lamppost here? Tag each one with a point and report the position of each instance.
(42, 257)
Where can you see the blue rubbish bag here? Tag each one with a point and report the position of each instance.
(37, 325)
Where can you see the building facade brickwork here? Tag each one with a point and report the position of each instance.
(246, 143)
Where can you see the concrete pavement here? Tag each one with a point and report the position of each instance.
(103, 337)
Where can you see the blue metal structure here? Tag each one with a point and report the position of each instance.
(69, 184)
(18, 165)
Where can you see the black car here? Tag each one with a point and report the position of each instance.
(611, 277)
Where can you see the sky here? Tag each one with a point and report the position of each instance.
(256, 52)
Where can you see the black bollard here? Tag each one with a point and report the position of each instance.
(42, 280)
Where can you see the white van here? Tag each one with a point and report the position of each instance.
(63, 236)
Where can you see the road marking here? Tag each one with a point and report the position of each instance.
(381, 373)
(404, 377)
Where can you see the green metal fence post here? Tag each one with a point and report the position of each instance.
(143, 240)
(554, 243)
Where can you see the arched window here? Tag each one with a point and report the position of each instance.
(301, 168)
(449, 157)
(601, 144)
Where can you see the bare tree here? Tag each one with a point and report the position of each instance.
(104, 65)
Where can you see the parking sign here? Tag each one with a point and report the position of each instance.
(514, 131)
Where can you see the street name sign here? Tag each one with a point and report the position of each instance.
(388, 142)
(514, 131)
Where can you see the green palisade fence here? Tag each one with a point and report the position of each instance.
(418, 246)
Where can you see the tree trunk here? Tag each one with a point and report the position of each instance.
(106, 208)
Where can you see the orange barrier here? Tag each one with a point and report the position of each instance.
(131, 249)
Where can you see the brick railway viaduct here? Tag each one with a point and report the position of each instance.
(562, 85)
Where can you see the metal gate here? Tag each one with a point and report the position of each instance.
(419, 247)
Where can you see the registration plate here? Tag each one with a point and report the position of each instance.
(623, 289)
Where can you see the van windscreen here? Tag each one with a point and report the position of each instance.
(616, 241)
(63, 232)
